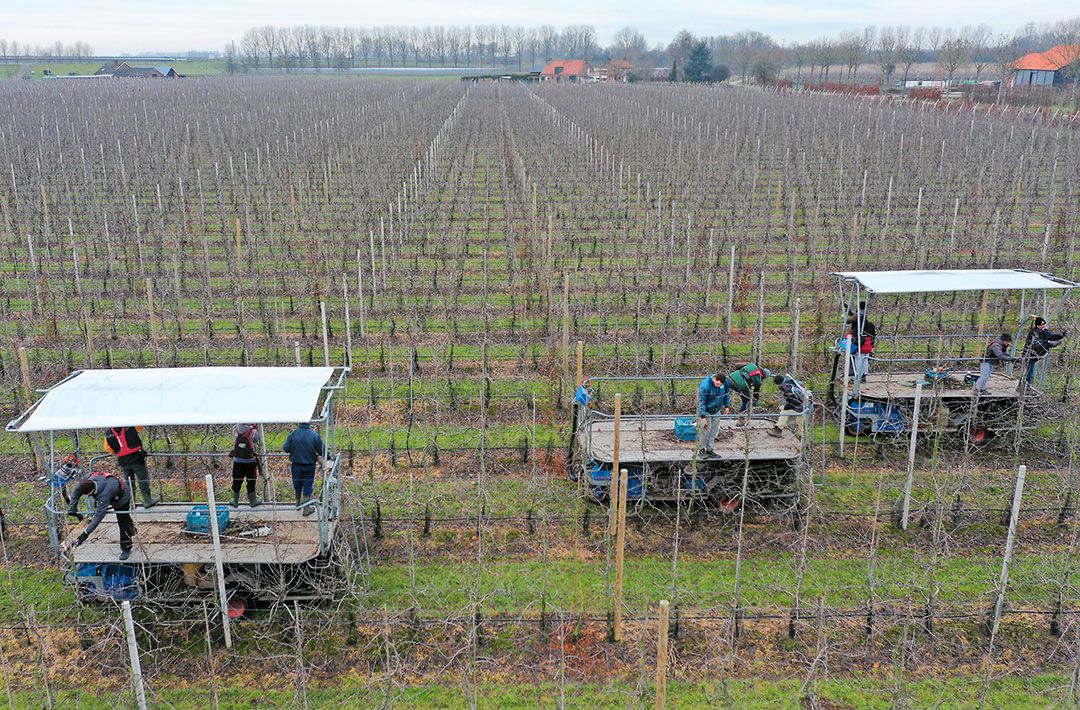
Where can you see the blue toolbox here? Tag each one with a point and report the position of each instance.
(198, 519)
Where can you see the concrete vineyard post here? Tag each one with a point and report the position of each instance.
(219, 568)
(911, 457)
(133, 658)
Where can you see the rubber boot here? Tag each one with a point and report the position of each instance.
(148, 499)
(124, 554)
(308, 509)
(235, 502)
(253, 500)
(298, 500)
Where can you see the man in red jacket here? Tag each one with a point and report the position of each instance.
(124, 441)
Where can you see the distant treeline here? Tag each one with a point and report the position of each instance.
(889, 51)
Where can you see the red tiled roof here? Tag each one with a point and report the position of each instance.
(1051, 60)
(570, 67)
(619, 64)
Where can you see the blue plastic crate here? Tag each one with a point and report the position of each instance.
(685, 428)
(94, 582)
(198, 519)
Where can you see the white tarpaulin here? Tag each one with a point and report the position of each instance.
(945, 280)
(95, 399)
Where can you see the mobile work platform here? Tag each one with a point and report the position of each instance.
(660, 451)
(930, 377)
(271, 551)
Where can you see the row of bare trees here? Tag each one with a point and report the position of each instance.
(344, 47)
(14, 49)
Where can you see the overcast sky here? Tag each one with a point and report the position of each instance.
(116, 26)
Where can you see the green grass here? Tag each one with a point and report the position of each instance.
(879, 691)
(64, 68)
(767, 581)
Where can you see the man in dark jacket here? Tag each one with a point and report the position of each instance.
(996, 353)
(794, 398)
(124, 441)
(108, 491)
(746, 382)
(304, 447)
(1037, 346)
(713, 400)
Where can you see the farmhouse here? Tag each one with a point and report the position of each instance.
(616, 70)
(128, 71)
(1045, 68)
(566, 70)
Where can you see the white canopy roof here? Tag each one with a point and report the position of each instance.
(96, 399)
(946, 280)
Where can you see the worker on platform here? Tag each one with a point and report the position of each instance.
(997, 353)
(108, 491)
(746, 382)
(245, 463)
(714, 400)
(795, 399)
(864, 338)
(304, 447)
(125, 442)
(1037, 346)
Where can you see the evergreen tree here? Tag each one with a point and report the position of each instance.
(699, 63)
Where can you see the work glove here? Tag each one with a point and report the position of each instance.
(75, 514)
(80, 539)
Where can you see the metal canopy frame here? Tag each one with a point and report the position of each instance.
(328, 511)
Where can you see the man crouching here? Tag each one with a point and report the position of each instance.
(108, 491)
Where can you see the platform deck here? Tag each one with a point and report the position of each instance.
(161, 537)
(653, 441)
(901, 385)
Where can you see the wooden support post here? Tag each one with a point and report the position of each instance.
(215, 536)
(662, 655)
(846, 345)
(911, 457)
(24, 368)
(150, 309)
(348, 322)
(795, 336)
(325, 339)
(133, 656)
(1014, 518)
(296, 351)
(730, 289)
(982, 312)
(759, 331)
(620, 551)
(566, 328)
(580, 363)
(613, 493)
(238, 238)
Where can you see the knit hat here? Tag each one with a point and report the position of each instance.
(1039, 320)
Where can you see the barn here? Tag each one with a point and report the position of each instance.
(1046, 68)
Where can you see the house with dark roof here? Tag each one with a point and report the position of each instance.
(1046, 68)
(566, 70)
(127, 71)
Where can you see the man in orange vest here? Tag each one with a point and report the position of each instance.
(124, 441)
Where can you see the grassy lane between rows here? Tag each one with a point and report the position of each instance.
(1041, 691)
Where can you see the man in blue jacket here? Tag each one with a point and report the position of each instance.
(304, 447)
(714, 400)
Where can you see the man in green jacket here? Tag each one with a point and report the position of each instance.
(746, 382)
